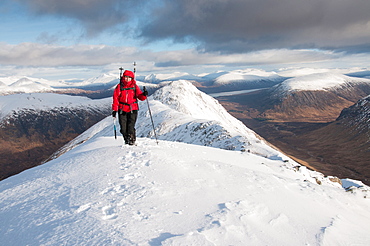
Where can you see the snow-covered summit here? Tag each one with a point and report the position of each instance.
(157, 78)
(102, 79)
(246, 76)
(183, 113)
(25, 85)
(184, 97)
(318, 81)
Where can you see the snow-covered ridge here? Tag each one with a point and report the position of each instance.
(183, 113)
(25, 85)
(318, 81)
(157, 78)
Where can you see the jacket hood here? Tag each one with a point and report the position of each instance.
(128, 73)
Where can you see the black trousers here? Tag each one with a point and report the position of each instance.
(127, 122)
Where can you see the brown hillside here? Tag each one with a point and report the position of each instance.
(303, 126)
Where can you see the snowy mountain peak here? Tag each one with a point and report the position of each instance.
(183, 113)
(22, 81)
(151, 78)
(102, 79)
(184, 97)
(16, 84)
(248, 75)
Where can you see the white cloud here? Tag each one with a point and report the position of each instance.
(37, 57)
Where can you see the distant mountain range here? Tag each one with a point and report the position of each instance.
(210, 83)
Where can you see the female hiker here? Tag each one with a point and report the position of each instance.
(125, 102)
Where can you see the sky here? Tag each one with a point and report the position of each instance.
(82, 38)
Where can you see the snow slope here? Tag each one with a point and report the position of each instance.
(183, 113)
(101, 193)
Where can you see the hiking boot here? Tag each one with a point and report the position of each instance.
(131, 139)
(126, 139)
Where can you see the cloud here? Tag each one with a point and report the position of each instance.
(228, 26)
(245, 25)
(95, 15)
(34, 54)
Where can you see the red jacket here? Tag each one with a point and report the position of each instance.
(126, 94)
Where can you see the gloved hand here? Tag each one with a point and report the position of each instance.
(114, 113)
(145, 92)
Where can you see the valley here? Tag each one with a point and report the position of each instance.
(322, 143)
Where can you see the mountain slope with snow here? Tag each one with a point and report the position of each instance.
(312, 98)
(318, 82)
(183, 113)
(246, 76)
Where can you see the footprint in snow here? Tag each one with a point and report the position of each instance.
(83, 208)
(109, 213)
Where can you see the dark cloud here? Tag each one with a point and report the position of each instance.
(226, 26)
(244, 25)
(95, 15)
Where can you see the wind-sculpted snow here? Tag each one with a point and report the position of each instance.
(183, 113)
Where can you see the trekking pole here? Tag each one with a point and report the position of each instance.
(114, 118)
(120, 73)
(114, 127)
(151, 118)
